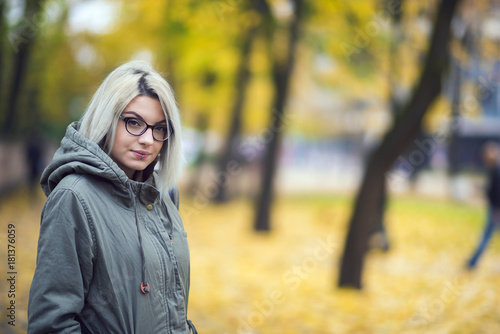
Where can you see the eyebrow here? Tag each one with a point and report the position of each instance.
(140, 117)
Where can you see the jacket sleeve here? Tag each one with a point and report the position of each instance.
(63, 267)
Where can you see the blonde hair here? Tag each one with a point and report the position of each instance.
(121, 86)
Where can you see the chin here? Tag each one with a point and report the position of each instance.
(140, 167)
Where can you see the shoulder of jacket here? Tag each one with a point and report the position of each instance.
(76, 182)
(82, 184)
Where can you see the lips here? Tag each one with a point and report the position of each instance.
(141, 154)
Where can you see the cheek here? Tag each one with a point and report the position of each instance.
(121, 141)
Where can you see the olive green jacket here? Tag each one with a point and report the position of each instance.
(95, 226)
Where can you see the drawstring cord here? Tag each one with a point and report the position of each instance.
(144, 285)
(191, 327)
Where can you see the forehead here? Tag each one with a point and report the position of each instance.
(146, 107)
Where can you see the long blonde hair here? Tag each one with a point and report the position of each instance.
(121, 86)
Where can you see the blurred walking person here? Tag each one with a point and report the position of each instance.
(491, 158)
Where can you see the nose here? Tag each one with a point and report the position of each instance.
(147, 137)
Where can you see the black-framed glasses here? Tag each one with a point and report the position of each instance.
(136, 127)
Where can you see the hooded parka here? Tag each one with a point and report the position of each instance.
(96, 225)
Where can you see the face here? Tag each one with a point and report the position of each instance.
(490, 157)
(134, 153)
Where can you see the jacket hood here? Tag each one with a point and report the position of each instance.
(79, 155)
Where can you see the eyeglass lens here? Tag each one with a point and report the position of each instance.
(138, 127)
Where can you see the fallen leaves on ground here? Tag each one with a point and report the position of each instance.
(284, 281)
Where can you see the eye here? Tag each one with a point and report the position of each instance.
(161, 128)
(134, 122)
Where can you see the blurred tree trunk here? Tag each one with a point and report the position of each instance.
(397, 37)
(282, 70)
(201, 125)
(22, 40)
(454, 146)
(378, 236)
(242, 80)
(404, 130)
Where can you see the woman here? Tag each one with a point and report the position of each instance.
(112, 253)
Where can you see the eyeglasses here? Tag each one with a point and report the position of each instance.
(137, 127)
